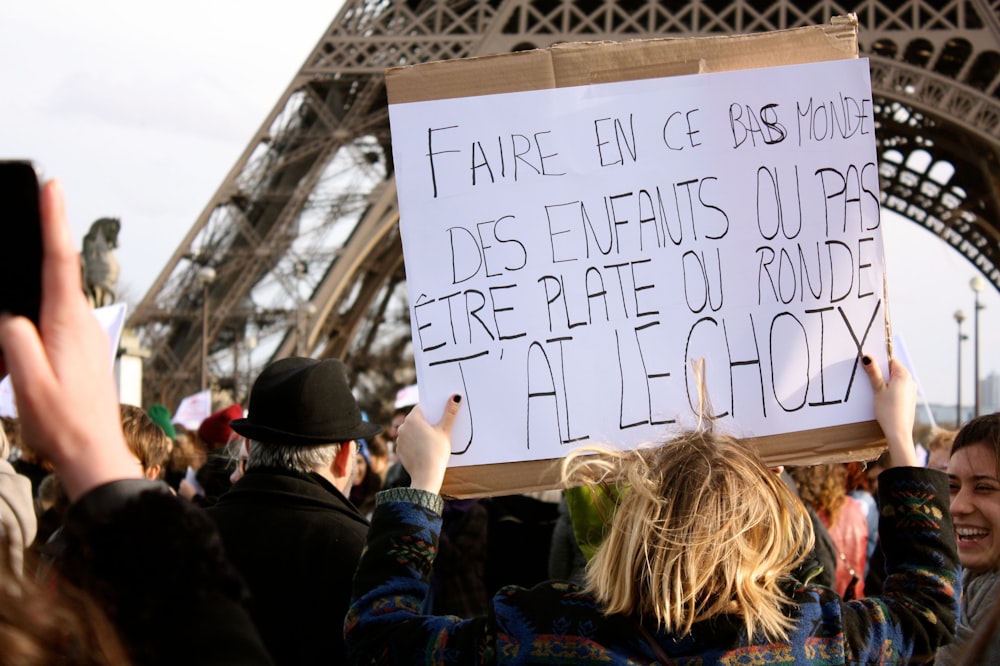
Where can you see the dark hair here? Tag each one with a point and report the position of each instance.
(377, 446)
(857, 478)
(982, 429)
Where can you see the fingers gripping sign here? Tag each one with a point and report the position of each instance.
(895, 408)
(424, 449)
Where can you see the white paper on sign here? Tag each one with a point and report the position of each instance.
(191, 476)
(194, 409)
(8, 405)
(900, 351)
(112, 320)
(569, 252)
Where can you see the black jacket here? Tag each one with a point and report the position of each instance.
(154, 563)
(296, 540)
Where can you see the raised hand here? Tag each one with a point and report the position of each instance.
(61, 373)
(424, 449)
(895, 409)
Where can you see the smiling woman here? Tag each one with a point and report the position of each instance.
(974, 476)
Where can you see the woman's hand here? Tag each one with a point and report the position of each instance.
(424, 449)
(61, 372)
(895, 409)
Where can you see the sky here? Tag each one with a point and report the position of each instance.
(141, 109)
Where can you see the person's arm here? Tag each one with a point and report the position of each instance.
(915, 613)
(154, 564)
(384, 624)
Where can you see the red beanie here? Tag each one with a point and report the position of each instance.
(215, 430)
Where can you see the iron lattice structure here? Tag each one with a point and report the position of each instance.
(302, 233)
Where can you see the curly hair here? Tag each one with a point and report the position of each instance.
(822, 487)
(703, 528)
(941, 438)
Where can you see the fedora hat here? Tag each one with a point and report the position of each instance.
(304, 402)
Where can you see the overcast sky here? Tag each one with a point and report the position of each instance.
(141, 109)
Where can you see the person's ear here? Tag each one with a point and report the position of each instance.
(342, 461)
(152, 472)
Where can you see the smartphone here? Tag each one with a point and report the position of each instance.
(21, 239)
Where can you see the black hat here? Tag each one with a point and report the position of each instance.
(304, 402)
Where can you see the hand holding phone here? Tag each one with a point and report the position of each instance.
(21, 236)
(67, 401)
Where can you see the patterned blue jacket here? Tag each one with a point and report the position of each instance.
(562, 623)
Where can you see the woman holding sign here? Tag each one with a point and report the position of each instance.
(706, 557)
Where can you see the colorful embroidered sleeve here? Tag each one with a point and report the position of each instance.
(385, 624)
(916, 612)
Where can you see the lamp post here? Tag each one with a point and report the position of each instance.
(306, 311)
(303, 308)
(977, 283)
(206, 276)
(251, 344)
(959, 317)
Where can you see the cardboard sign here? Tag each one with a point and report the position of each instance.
(571, 250)
(194, 409)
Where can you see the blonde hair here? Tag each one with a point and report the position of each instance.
(703, 528)
(941, 438)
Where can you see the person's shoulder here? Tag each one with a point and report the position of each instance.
(520, 612)
(268, 495)
(809, 589)
(814, 604)
(981, 589)
(270, 487)
(854, 511)
(541, 598)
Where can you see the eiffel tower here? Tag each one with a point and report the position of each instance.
(298, 250)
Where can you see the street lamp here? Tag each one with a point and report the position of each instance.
(206, 276)
(304, 309)
(977, 283)
(959, 317)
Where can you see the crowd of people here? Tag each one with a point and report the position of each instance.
(298, 532)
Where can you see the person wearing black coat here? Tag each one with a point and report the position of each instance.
(287, 524)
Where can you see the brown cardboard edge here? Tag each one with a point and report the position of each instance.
(470, 77)
(583, 63)
(580, 63)
(843, 443)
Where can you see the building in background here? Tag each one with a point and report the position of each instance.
(989, 393)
